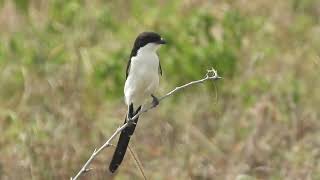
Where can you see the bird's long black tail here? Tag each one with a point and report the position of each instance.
(123, 140)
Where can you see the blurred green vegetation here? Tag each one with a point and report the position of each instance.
(62, 70)
(102, 39)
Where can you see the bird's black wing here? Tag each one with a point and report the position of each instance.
(160, 69)
(128, 68)
(133, 53)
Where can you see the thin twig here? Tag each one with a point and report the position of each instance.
(96, 152)
(138, 162)
(210, 75)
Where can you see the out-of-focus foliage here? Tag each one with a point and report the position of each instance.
(101, 38)
(62, 70)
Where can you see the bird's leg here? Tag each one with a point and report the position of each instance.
(155, 100)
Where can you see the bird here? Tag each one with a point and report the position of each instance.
(142, 80)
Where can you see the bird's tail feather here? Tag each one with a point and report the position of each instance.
(123, 141)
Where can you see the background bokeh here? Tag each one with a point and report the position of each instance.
(62, 70)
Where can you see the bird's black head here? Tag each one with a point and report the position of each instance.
(144, 39)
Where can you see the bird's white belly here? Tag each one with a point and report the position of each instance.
(143, 80)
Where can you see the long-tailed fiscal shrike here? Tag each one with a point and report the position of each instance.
(142, 80)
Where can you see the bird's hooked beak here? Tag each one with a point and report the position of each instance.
(161, 41)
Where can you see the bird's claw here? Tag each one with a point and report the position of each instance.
(131, 122)
(155, 100)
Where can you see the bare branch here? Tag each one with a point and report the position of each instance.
(210, 75)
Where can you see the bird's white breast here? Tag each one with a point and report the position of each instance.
(143, 78)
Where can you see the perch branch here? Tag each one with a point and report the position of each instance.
(210, 75)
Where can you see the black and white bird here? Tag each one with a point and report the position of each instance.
(142, 80)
